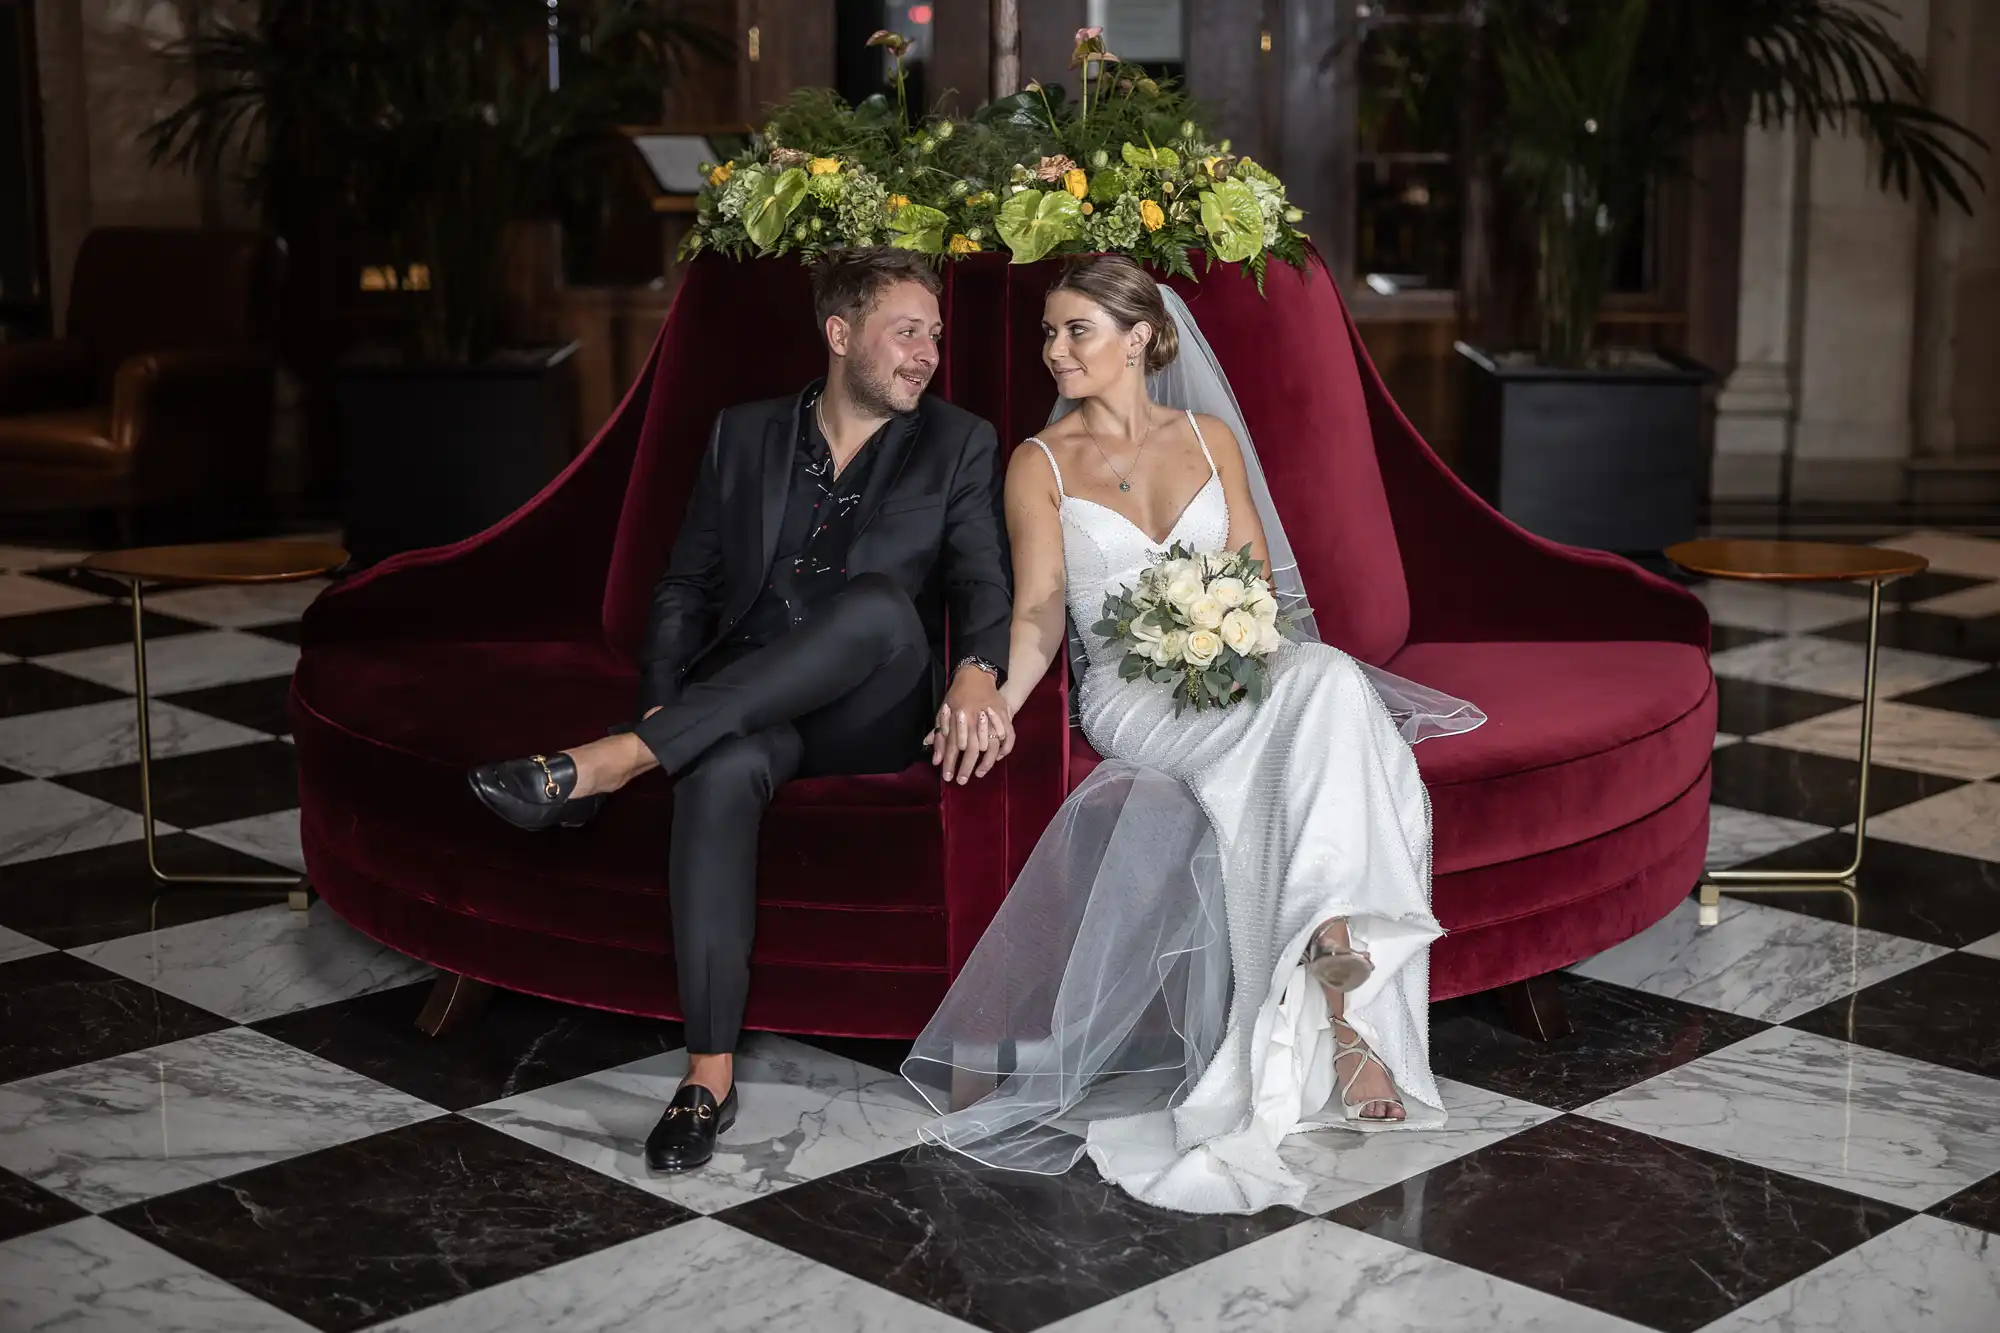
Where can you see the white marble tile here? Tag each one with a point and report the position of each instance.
(259, 963)
(1759, 961)
(1321, 1277)
(139, 1125)
(90, 1275)
(700, 1275)
(38, 819)
(1736, 836)
(1927, 740)
(1341, 1165)
(1950, 552)
(239, 605)
(1924, 1276)
(1837, 667)
(182, 661)
(18, 558)
(1723, 738)
(13, 944)
(1981, 600)
(273, 837)
(1965, 820)
(104, 735)
(21, 595)
(1866, 1121)
(803, 1114)
(1986, 948)
(1770, 607)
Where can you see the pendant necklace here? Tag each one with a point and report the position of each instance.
(1125, 477)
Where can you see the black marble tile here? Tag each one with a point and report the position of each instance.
(57, 1010)
(1664, 1235)
(8, 775)
(1903, 592)
(85, 580)
(26, 1206)
(377, 1228)
(1946, 1012)
(1816, 788)
(875, 1052)
(1721, 638)
(26, 688)
(1978, 1206)
(1976, 639)
(76, 627)
(1937, 897)
(258, 704)
(286, 631)
(519, 1044)
(208, 787)
(1978, 694)
(1618, 1037)
(104, 893)
(1745, 708)
(1004, 1250)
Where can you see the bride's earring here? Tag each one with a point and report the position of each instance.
(1130, 362)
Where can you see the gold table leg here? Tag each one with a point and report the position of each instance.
(298, 894)
(1815, 881)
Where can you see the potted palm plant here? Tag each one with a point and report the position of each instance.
(428, 133)
(1594, 103)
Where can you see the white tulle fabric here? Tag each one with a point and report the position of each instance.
(1139, 995)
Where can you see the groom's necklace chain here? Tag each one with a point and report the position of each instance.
(1125, 477)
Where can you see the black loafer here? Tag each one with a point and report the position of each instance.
(533, 793)
(685, 1137)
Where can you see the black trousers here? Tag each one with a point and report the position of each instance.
(847, 692)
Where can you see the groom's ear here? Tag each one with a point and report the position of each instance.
(838, 335)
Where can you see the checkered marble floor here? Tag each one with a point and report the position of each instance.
(216, 1115)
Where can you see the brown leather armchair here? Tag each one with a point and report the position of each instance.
(161, 390)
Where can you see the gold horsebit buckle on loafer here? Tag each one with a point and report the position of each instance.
(549, 788)
(700, 1112)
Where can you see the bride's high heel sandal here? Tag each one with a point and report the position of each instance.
(1334, 965)
(1381, 1109)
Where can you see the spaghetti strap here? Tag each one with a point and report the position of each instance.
(1212, 470)
(1060, 492)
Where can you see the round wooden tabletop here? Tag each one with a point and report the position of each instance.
(221, 562)
(1800, 562)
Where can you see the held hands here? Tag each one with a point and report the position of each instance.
(975, 727)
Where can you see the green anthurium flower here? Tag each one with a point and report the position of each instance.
(1235, 226)
(770, 205)
(1158, 159)
(918, 227)
(1034, 222)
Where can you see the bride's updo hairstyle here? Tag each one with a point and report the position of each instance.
(1129, 295)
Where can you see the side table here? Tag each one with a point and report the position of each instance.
(207, 563)
(1803, 562)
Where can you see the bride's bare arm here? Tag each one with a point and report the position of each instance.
(1034, 528)
(1244, 525)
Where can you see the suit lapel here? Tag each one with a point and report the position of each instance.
(897, 444)
(774, 484)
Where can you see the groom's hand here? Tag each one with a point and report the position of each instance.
(974, 728)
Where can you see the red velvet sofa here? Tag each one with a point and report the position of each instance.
(1574, 818)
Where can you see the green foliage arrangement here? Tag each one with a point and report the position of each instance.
(1125, 167)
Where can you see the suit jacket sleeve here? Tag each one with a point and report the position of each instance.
(687, 598)
(978, 573)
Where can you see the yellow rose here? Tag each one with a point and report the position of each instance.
(1203, 647)
(1150, 214)
(1076, 182)
(720, 175)
(825, 166)
(960, 245)
(1241, 631)
(1204, 612)
(897, 201)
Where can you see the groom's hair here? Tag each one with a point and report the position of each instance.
(846, 282)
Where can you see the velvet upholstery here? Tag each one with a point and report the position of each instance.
(1575, 818)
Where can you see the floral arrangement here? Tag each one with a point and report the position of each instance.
(1125, 167)
(1203, 623)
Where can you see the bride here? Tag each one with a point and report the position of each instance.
(1223, 938)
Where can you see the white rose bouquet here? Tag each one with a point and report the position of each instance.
(1204, 623)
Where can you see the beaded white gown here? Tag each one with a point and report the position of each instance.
(1192, 995)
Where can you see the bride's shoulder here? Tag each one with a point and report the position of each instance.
(1216, 434)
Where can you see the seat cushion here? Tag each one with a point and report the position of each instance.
(1580, 739)
(71, 438)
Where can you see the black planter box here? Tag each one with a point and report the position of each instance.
(1602, 458)
(433, 454)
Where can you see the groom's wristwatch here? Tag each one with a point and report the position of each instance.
(999, 676)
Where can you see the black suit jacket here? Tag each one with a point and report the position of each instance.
(930, 519)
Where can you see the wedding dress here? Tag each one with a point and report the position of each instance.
(1140, 996)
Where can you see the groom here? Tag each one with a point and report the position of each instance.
(799, 630)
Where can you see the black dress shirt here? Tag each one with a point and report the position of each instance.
(817, 531)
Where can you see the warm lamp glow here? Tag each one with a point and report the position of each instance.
(919, 13)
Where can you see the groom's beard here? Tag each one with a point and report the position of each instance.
(876, 393)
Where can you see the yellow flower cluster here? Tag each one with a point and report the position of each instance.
(824, 166)
(721, 174)
(961, 245)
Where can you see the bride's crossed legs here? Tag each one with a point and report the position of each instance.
(1362, 1080)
